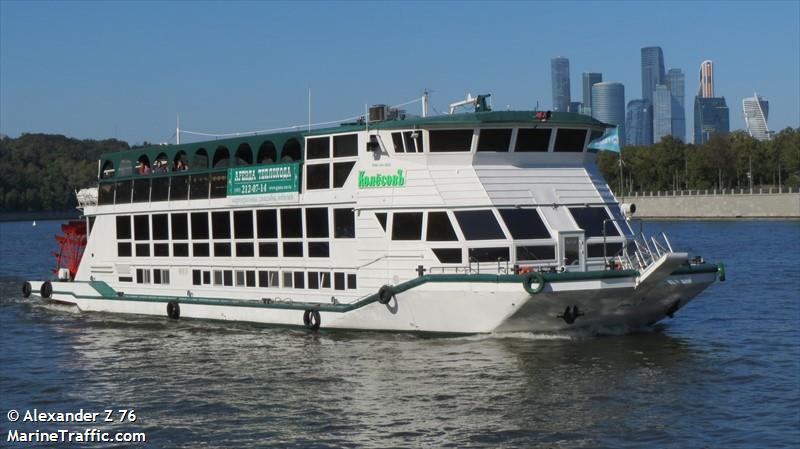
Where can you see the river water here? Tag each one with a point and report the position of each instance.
(724, 373)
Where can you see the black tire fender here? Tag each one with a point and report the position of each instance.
(26, 289)
(173, 310)
(533, 282)
(385, 294)
(311, 319)
(46, 290)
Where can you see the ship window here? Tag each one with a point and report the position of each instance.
(123, 227)
(596, 249)
(107, 171)
(290, 151)
(338, 281)
(439, 228)
(221, 157)
(160, 227)
(143, 165)
(142, 250)
(325, 279)
(161, 249)
(479, 225)
(524, 224)
(299, 279)
(123, 250)
(451, 140)
(160, 188)
(591, 219)
(200, 250)
(180, 226)
(488, 254)
(267, 223)
(180, 250)
(448, 255)
(397, 140)
(197, 277)
(243, 224)
(532, 139)
(200, 160)
(267, 153)
(346, 145)
(291, 223)
(222, 249)
(217, 277)
(313, 280)
(287, 279)
(268, 249)
(239, 278)
(494, 140)
(536, 252)
(180, 162)
(221, 225)
(199, 225)
(161, 164)
(292, 249)
(318, 176)
(206, 277)
(142, 276)
(198, 188)
(595, 135)
(141, 227)
(318, 148)
(126, 279)
(250, 278)
(351, 281)
(219, 185)
(156, 276)
(141, 190)
(407, 226)
(318, 249)
(227, 278)
(317, 222)
(105, 194)
(570, 140)
(179, 188)
(344, 223)
(412, 138)
(267, 278)
(381, 216)
(244, 155)
(244, 250)
(123, 195)
(125, 168)
(341, 171)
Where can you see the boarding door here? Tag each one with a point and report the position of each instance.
(572, 253)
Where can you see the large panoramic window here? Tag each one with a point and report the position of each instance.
(440, 229)
(591, 220)
(291, 223)
(344, 223)
(524, 224)
(267, 223)
(494, 140)
(488, 254)
(532, 139)
(317, 222)
(407, 226)
(570, 140)
(479, 225)
(345, 145)
(536, 252)
(318, 148)
(448, 140)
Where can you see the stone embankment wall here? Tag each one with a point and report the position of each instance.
(766, 203)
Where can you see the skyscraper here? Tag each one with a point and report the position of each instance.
(608, 105)
(756, 112)
(652, 71)
(589, 79)
(677, 88)
(706, 89)
(559, 74)
(711, 116)
(639, 123)
(662, 112)
(575, 106)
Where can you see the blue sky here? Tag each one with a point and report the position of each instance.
(117, 69)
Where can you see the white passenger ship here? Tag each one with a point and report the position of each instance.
(475, 222)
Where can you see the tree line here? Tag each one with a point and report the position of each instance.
(724, 162)
(40, 172)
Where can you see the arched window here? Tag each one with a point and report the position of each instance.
(244, 155)
(161, 164)
(221, 157)
(267, 153)
(200, 159)
(290, 151)
(143, 165)
(108, 170)
(125, 167)
(180, 162)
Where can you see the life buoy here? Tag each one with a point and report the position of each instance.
(46, 290)
(311, 319)
(385, 294)
(26, 289)
(533, 283)
(173, 310)
(523, 270)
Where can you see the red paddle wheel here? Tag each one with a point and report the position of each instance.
(71, 244)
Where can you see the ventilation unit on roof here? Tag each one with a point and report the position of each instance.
(378, 112)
